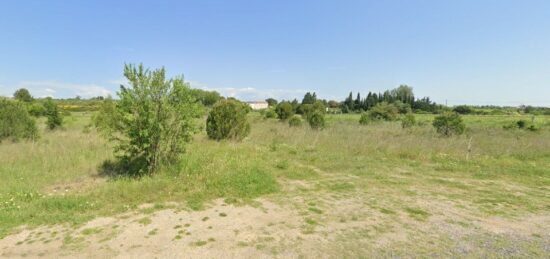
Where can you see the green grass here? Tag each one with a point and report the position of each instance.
(57, 179)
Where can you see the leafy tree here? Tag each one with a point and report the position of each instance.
(357, 102)
(333, 104)
(284, 110)
(383, 111)
(23, 95)
(15, 121)
(316, 120)
(271, 102)
(295, 121)
(227, 120)
(309, 98)
(402, 108)
(207, 98)
(53, 117)
(449, 123)
(152, 121)
(348, 103)
(403, 93)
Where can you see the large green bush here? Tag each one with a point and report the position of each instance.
(383, 111)
(284, 110)
(227, 120)
(53, 117)
(316, 120)
(152, 121)
(449, 123)
(15, 121)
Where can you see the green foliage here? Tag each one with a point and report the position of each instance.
(449, 123)
(36, 109)
(402, 108)
(271, 102)
(463, 109)
(106, 119)
(15, 121)
(408, 121)
(364, 119)
(308, 109)
(207, 98)
(316, 120)
(270, 114)
(53, 117)
(152, 121)
(309, 98)
(295, 121)
(227, 120)
(284, 110)
(383, 111)
(523, 125)
(23, 95)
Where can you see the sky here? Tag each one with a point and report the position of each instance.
(483, 52)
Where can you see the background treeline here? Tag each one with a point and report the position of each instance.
(402, 96)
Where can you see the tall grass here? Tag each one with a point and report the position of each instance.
(57, 179)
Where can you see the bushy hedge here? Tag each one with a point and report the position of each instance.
(15, 121)
(227, 120)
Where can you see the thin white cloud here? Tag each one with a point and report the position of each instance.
(251, 93)
(58, 89)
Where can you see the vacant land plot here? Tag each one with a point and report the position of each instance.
(346, 191)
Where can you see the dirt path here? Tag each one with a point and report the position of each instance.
(335, 228)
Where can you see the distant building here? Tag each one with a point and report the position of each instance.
(258, 105)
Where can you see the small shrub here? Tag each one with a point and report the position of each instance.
(270, 114)
(54, 119)
(295, 121)
(284, 110)
(449, 123)
(408, 121)
(383, 111)
(316, 120)
(463, 109)
(521, 124)
(227, 120)
(15, 121)
(365, 119)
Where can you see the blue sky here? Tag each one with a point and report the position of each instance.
(474, 52)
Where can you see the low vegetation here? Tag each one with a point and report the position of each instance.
(228, 120)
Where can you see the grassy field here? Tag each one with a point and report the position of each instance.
(369, 190)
